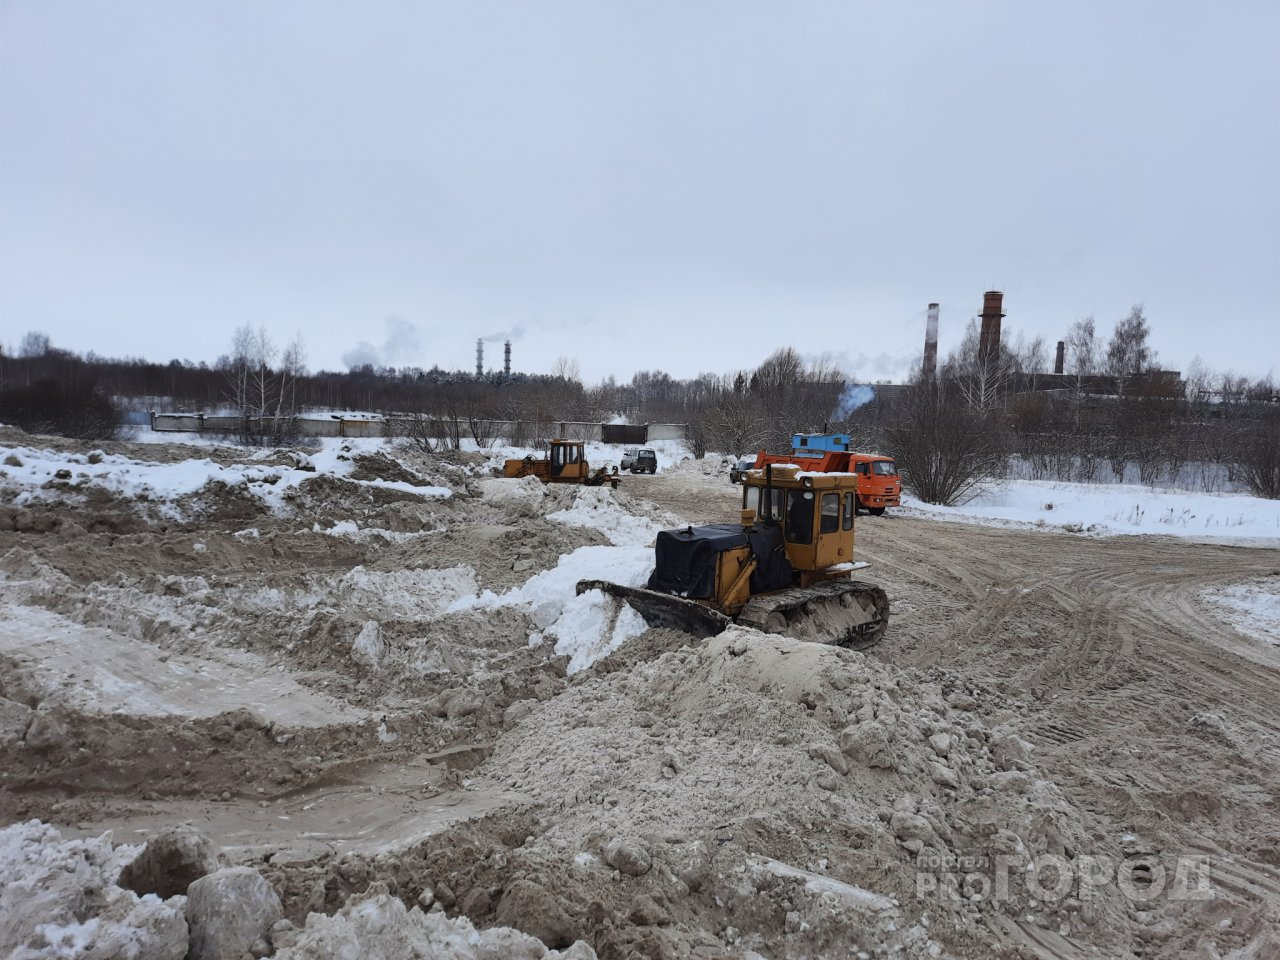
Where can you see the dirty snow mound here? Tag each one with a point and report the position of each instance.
(374, 925)
(523, 496)
(828, 782)
(60, 898)
(50, 475)
(1253, 608)
(405, 593)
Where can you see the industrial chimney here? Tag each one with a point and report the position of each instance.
(930, 368)
(479, 358)
(506, 359)
(1059, 362)
(989, 338)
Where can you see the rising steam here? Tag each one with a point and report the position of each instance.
(853, 396)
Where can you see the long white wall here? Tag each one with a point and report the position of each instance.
(510, 430)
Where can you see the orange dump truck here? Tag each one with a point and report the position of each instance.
(879, 485)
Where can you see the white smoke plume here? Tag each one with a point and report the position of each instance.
(853, 396)
(513, 333)
(403, 344)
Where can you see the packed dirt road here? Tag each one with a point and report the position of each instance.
(366, 674)
(1144, 705)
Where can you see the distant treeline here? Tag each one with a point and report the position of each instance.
(1112, 412)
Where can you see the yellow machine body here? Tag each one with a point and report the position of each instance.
(815, 511)
(566, 463)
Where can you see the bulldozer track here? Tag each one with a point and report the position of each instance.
(803, 607)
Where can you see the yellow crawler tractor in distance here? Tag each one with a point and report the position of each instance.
(786, 569)
(567, 463)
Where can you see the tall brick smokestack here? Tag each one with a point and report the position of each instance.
(1060, 361)
(506, 359)
(479, 358)
(930, 369)
(989, 338)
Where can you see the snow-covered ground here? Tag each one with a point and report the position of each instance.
(124, 675)
(141, 434)
(584, 628)
(31, 468)
(1111, 509)
(1252, 607)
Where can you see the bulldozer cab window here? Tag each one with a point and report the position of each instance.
(575, 453)
(799, 516)
(779, 497)
(830, 513)
(753, 497)
(849, 507)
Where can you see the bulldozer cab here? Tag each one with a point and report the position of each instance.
(814, 510)
(567, 459)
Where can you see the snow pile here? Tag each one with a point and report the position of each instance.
(60, 898)
(597, 508)
(712, 465)
(1107, 509)
(378, 926)
(1252, 607)
(351, 530)
(827, 774)
(523, 496)
(584, 627)
(405, 594)
(45, 474)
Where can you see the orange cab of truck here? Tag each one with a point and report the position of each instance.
(879, 485)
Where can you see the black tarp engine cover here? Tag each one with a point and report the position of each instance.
(686, 559)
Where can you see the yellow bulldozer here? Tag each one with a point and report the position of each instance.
(786, 569)
(566, 463)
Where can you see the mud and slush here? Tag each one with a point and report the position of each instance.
(1057, 749)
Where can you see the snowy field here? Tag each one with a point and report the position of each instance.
(1114, 509)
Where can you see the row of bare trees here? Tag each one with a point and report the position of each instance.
(1112, 415)
(262, 384)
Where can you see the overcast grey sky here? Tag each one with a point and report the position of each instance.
(679, 185)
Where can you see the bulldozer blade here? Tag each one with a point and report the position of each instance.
(600, 478)
(663, 609)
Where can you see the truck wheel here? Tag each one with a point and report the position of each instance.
(875, 511)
